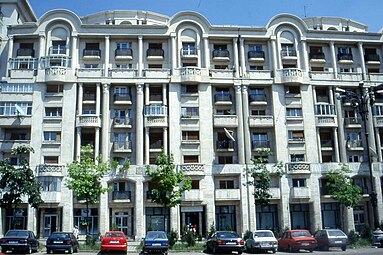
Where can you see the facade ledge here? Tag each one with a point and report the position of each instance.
(261, 121)
(225, 121)
(298, 168)
(88, 120)
(300, 193)
(227, 194)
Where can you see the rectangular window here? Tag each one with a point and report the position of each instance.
(195, 184)
(124, 45)
(354, 158)
(222, 160)
(296, 135)
(15, 109)
(294, 112)
(255, 47)
(220, 46)
(189, 89)
(190, 135)
(315, 49)
(221, 67)
(124, 66)
(188, 112)
(258, 112)
(297, 158)
(295, 90)
(16, 88)
(155, 66)
(53, 89)
(91, 66)
(344, 50)
(50, 183)
(52, 136)
(92, 46)
(256, 68)
(299, 183)
(188, 48)
(51, 159)
(155, 46)
(191, 159)
(53, 112)
(226, 184)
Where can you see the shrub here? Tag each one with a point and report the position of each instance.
(366, 232)
(172, 236)
(211, 230)
(247, 235)
(190, 239)
(353, 237)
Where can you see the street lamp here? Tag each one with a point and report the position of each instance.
(361, 102)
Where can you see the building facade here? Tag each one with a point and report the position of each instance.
(132, 83)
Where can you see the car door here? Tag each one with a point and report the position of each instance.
(284, 241)
(319, 237)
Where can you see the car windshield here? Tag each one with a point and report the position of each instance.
(227, 235)
(156, 235)
(263, 234)
(113, 235)
(17, 233)
(300, 233)
(60, 235)
(335, 233)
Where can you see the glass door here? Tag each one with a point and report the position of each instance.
(50, 224)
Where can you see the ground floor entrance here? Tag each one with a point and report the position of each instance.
(193, 218)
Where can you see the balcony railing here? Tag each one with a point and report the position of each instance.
(123, 53)
(121, 195)
(345, 57)
(325, 109)
(372, 58)
(92, 53)
(222, 97)
(253, 55)
(56, 61)
(352, 121)
(221, 53)
(189, 52)
(23, 63)
(289, 53)
(122, 121)
(57, 50)
(225, 145)
(155, 53)
(122, 97)
(317, 55)
(257, 144)
(156, 110)
(326, 143)
(354, 144)
(25, 53)
(50, 168)
(257, 98)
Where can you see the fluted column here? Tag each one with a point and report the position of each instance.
(147, 145)
(165, 137)
(10, 52)
(274, 52)
(107, 56)
(336, 144)
(341, 135)
(305, 55)
(78, 143)
(105, 122)
(140, 55)
(379, 146)
(139, 212)
(242, 57)
(42, 45)
(96, 142)
(174, 52)
(246, 130)
(206, 50)
(139, 125)
(362, 61)
(236, 61)
(334, 59)
(240, 141)
(74, 52)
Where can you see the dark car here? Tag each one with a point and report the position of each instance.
(327, 238)
(62, 241)
(225, 241)
(156, 242)
(19, 240)
(297, 239)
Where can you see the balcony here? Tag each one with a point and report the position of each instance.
(91, 54)
(372, 59)
(22, 68)
(352, 122)
(225, 145)
(327, 145)
(222, 98)
(123, 196)
(192, 169)
(261, 121)
(58, 50)
(261, 75)
(51, 196)
(50, 169)
(156, 115)
(156, 73)
(298, 168)
(156, 146)
(189, 53)
(291, 76)
(345, 58)
(90, 72)
(378, 121)
(192, 195)
(25, 53)
(227, 194)
(123, 54)
(122, 98)
(225, 121)
(289, 54)
(56, 74)
(325, 115)
(317, 57)
(257, 99)
(259, 144)
(9, 145)
(353, 145)
(91, 120)
(322, 76)
(122, 73)
(120, 122)
(221, 74)
(300, 193)
(221, 55)
(353, 77)
(122, 146)
(154, 54)
(256, 56)
(191, 75)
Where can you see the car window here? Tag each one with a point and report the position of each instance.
(227, 235)
(60, 235)
(156, 235)
(113, 235)
(335, 233)
(264, 234)
(17, 233)
(300, 233)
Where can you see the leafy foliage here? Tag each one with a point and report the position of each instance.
(341, 187)
(169, 184)
(261, 176)
(19, 182)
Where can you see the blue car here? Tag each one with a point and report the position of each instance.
(156, 242)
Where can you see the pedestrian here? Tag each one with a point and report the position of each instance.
(75, 231)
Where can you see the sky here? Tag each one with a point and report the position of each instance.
(230, 12)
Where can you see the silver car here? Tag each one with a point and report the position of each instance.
(327, 238)
(261, 240)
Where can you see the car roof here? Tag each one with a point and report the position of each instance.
(112, 232)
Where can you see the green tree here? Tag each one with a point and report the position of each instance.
(169, 184)
(84, 177)
(261, 176)
(18, 182)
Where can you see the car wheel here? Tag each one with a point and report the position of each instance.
(48, 251)
(29, 249)
(290, 249)
(253, 249)
(239, 252)
(311, 250)
(3, 250)
(70, 251)
(326, 248)
(344, 248)
(275, 250)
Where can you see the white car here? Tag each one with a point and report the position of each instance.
(261, 240)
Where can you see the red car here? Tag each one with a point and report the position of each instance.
(114, 241)
(295, 240)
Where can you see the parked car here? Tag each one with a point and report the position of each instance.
(19, 240)
(261, 240)
(114, 241)
(225, 241)
(327, 238)
(62, 241)
(156, 242)
(298, 239)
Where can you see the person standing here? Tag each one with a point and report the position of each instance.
(75, 231)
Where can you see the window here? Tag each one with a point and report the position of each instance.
(155, 66)
(92, 46)
(299, 183)
(15, 108)
(121, 90)
(344, 50)
(53, 112)
(122, 114)
(255, 47)
(294, 112)
(188, 48)
(288, 49)
(189, 89)
(293, 90)
(223, 112)
(191, 159)
(121, 186)
(91, 66)
(16, 88)
(226, 184)
(257, 91)
(221, 67)
(155, 45)
(124, 66)
(52, 136)
(55, 88)
(256, 68)
(346, 70)
(124, 45)
(121, 137)
(195, 184)
(220, 46)
(315, 49)
(296, 135)
(188, 112)
(190, 135)
(297, 158)
(258, 112)
(155, 93)
(354, 158)
(50, 183)
(225, 160)
(260, 137)
(51, 159)
(317, 69)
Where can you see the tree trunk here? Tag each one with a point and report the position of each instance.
(87, 218)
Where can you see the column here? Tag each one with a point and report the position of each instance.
(32, 219)
(246, 129)
(206, 50)
(139, 125)
(164, 95)
(147, 145)
(139, 210)
(200, 223)
(379, 146)
(107, 56)
(42, 44)
(334, 59)
(105, 122)
(238, 106)
(165, 137)
(242, 57)
(78, 143)
(104, 210)
(140, 54)
(96, 142)
(274, 54)
(147, 94)
(319, 145)
(174, 219)
(341, 134)
(362, 61)
(98, 99)
(79, 98)
(10, 52)
(174, 52)
(74, 52)
(336, 144)
(305, 55)
(236, 62)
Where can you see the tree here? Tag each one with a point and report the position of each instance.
(18, 182)
(261, 176)
(169, 184)
(341, 187)
(84, 178)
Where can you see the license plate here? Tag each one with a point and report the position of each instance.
(114, 241)
(338, 241)
(230, 243)
(265, 245)
(305, 244)
(57, 241)
(13, 242)
(156, 244)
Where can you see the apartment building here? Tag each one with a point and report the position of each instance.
(133, 82)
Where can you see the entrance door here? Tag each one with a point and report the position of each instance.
(122, 223)
(50, 224)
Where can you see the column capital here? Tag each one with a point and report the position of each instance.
(173, 35)
(74, 34)
(360, 44)
(237, 88)
(273, 38)
(105, 87)
(303, 39)
(245, 89)
(140, 37)
(139, 88)
(332, 43)
(205, 36)
(42, 34)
